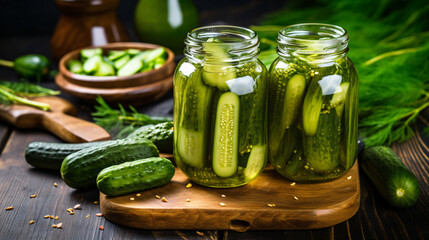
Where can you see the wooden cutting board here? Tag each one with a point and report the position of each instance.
(299, 206)
(58, 120)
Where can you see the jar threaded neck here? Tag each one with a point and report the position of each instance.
(313, 42)
(242, 43)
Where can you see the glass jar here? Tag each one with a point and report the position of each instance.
(220, 113)
(313, 114)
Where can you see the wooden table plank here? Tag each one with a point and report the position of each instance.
(4, 135)
(19, 181)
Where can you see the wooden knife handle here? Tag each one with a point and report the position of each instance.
(71, 129)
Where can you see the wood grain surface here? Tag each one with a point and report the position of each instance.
(56, 120)
(18, 181)
(299, 206)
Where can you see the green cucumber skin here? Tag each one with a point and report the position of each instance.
(192, 103)
(350, 135)
(160, 134)
(253, 110)
(80, 169)
(322, 150)
(135, 176)
(32, 65)
(312, 107)
(46, 155)
(388, 173)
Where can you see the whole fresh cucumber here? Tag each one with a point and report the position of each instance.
(47, 155)
(32, 65)
(135, 176)
(396, 184)
(160, 134)
(80, 169)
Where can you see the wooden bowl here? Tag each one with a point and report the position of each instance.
(136, 89)
(132, 95)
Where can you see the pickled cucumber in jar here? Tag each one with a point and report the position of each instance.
(220, 107)
(313, 100)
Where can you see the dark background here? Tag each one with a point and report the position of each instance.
(39, 17)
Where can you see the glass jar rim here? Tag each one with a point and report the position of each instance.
(297, 31)
(242, 43)
(246, 34)
(314, 43)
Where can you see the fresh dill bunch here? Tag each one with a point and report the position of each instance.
(120, 122)
(26, 89)
(8, 97)
(389, 44)
(17, 92)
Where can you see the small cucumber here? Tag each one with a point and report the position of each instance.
(135, 176)
(119, 63)
(292, 101)
(80, 169)
(91, 65)
(158, 62)
(311, 107)
(153, 54)
(160, 134)
(322, 149)
(133, 52)
(147, 66)
(193, 103)
(133, 65)
(192, 147)
(225, 146)
(47, 155)
(256, 161)
(288, 145)
(396, 184)
(32, 65)
(75, 66)
(104, 69)
(350, 116)
(216, 70)
(294, 165)
(339, 98)
(88, 53)
(115, 55)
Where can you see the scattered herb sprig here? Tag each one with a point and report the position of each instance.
(120, 122)
(17, 92)
(26, 89)
(389, 44)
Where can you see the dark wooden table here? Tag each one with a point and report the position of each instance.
(18, 181)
